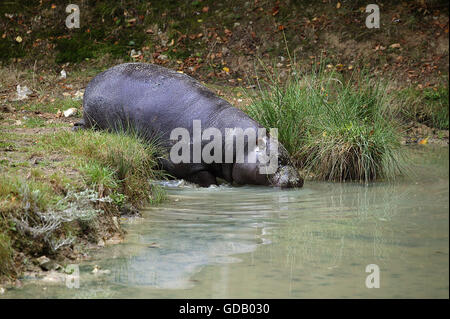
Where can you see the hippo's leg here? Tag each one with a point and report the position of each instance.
(79, 125)
(202, 178)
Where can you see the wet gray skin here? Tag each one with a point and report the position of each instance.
(154, 101)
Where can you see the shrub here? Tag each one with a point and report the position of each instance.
(334, 129)
(114, 160)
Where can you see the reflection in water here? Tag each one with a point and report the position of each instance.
(194, 231)
(260, 242)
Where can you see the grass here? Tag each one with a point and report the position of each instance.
(334, 129)
(6, 255)
(429, 106)
(86, 179)
(53, 107)
(12, 193)
(111, 162)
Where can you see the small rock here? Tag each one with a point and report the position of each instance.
(43, 259)
(23, 92)
(101, 243)
(70, 112)
(63, 74)
(46, 263)
(98, 271)
(48, 266)
(51, 265)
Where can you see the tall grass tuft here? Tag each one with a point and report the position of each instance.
(115, 161)
(334, 129)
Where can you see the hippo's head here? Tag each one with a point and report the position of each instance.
(273, 167)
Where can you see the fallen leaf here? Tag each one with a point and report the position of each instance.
(18, 39)
(338, 5)
(275, 10)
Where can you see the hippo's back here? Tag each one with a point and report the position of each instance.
(149, 97)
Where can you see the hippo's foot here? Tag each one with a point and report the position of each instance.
(202, 178)
(79, 126)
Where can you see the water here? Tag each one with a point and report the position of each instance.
(260, 242)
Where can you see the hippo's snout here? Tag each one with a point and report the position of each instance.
(287, 177)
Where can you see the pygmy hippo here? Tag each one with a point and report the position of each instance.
(163, 104)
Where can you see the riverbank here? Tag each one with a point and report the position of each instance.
(63, 193)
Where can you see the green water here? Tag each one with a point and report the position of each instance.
(260, 242)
